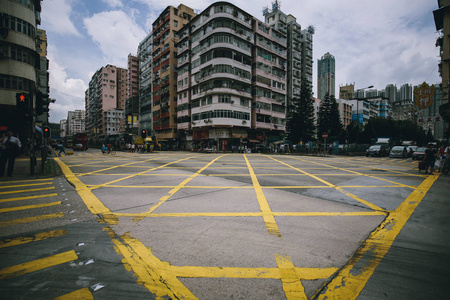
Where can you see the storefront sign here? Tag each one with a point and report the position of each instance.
(219, 133)
(424, 95)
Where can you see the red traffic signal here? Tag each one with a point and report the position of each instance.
(23, 102)
(144, 133)
(46, 132)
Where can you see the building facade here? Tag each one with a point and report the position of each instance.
(107, 91)
(75, 122)
(326, 76)
(164, 58)
(442, 22)
(18, 72)
(131, 110)
(145, 83)
(231, 79)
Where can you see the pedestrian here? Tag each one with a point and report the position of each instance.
(430, 158)
(10, 149)
(62, 150)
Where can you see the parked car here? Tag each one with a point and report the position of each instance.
(79, 147)
(377, 150)
(398, 151)
(419, 154)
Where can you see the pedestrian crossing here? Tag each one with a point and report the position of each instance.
(23, 205)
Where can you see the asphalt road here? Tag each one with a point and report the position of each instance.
(185, 225)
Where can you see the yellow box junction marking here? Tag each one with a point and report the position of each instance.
(161, 278)
(351, 279)
(37, 237)
(181, 185)
(268, 217)
(367, 203)
(37, 265)
(82, 294)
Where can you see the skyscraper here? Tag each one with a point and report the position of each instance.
(326, 76)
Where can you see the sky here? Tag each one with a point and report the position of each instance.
(374, 42)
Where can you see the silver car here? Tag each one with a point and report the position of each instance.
(398, 151)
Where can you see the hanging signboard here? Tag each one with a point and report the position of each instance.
(424, 95)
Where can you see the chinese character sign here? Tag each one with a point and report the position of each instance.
(424, 95)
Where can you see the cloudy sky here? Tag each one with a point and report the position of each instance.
(374, 42)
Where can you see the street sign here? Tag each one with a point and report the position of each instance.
(424, 95)
(325, 135)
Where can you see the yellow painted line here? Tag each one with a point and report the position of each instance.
(37, 265)
(367, 203)
(119, 166)
(154, 274)
(91, 201)
(292, 285)
(28, 197)
(22, 181)
(37, 237)
(188, 215)
(143, 172)
(248, 214)
(25, 207)
(329, 214)
(351, 279)
(82, 294)
(262, 273)
(31, 219)
(23, 185)
(268, 217)
(225, 272)
(26, 191)
(182, 184)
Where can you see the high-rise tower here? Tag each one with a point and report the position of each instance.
(326, 76)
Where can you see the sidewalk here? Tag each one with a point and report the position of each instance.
(22, 168)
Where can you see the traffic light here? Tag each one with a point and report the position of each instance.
(23, 103)
(144, 133)
(46, 132)
(41, 103)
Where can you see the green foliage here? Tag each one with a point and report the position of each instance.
(401, 130)
(300, 120)
(328, 118)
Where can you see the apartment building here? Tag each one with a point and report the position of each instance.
(75, 122)
(231, 79)
(18, 72)
(107, 91)
(442, 23)
(131, 110)
(164, 57)
(145, 83)
(299, 43)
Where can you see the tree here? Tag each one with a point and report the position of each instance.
(328, 118)
(300, 123)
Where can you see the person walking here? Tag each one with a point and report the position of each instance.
(62, 149)
(10, 149)
(430, 158)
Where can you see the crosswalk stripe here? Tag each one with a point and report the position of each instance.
(37, 265)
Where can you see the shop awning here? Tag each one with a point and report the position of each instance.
(254, 141)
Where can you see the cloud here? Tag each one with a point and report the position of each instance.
(68, 92)
(57, 18)
(115, 33)
(113, 3)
